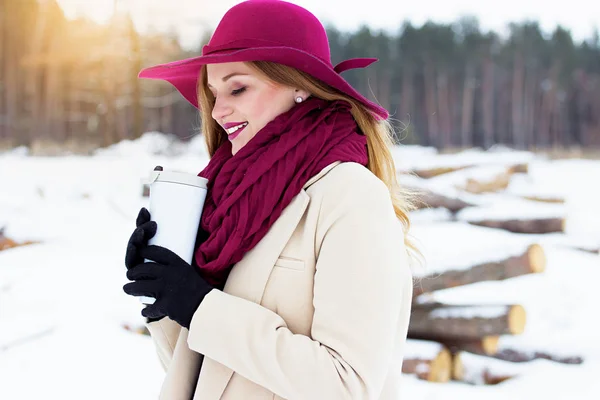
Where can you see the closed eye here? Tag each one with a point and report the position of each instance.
(238, 91)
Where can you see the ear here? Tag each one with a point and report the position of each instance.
(303, 93)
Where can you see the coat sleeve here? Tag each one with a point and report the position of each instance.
(164, 334)
(362, 297)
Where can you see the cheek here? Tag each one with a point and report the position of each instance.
(269, 104)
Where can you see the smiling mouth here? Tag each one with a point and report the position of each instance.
(236, 128)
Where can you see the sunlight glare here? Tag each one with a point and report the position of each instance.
(99, 11)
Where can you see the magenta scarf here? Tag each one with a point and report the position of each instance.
(249, 191)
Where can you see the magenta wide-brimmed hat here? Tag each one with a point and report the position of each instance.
(266, 30)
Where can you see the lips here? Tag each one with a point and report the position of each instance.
(236, 133)
(232, 124)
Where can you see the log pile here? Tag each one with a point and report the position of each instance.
(468, 182)
(461, 342)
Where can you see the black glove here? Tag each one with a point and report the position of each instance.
(177, 286)
(144, 231)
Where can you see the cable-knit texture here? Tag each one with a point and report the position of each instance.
(249, 191)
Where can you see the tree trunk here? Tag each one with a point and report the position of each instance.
(407, 102)
(445, 125)
(11, 60)
(467, 106)
(517, 101)
(433, 130)
(3, 56)
(488, 102)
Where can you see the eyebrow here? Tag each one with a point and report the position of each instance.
(226, 77)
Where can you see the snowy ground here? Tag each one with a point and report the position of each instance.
(62, 309)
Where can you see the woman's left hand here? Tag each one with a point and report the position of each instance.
(177, 286)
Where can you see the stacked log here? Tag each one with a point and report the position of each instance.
(455, 322)
(473, 333)
(427, 173)
(437, 171)
(529, 225)
(495, 184)
(427, 360)
(544, 199)
(470, 334)
(531, 261)
(429, 199)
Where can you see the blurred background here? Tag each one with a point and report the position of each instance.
(496, 107)
(453, 74)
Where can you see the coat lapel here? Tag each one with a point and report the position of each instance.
(249, 276)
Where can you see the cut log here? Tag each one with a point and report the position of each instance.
(492, 346)
(480, 370)
(445, 322)
(519, 168)
(494, 184)
(533, 225)
(544, 199)
(533, 260)
(437, 171)
(427, 360)
(428, 199)
(487, 345)
(522, 356)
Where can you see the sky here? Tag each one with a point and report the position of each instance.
(191, 17)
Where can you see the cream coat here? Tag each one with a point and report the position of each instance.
(319, 309)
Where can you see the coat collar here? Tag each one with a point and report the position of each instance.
(321, 174)
(249, 277)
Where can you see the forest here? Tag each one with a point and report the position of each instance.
(73, 83)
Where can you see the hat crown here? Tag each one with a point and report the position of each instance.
(270, 23)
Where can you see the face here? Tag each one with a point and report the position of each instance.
(245, 101)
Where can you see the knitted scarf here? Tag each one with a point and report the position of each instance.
(247, 192)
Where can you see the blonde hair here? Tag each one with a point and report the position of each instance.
(379, 134)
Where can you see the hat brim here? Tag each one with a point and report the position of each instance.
(183, 74)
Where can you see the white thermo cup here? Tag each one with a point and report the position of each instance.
(176, 203)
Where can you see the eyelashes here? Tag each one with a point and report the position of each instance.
(238, 91)
(235, 92)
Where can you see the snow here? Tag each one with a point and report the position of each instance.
(62, 310)
(469, 312)
(421, 349)
(513, 208)
(427, 158)
(457, 245)
(475, 365)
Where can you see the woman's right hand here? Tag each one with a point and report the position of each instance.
(144, 231)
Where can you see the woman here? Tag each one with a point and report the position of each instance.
(300, 286)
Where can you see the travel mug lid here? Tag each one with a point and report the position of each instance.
(182, 178)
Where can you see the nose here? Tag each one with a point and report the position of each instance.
(221, 109)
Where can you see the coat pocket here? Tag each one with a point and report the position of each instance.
(290, 263)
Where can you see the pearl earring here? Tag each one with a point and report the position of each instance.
(299, 99)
